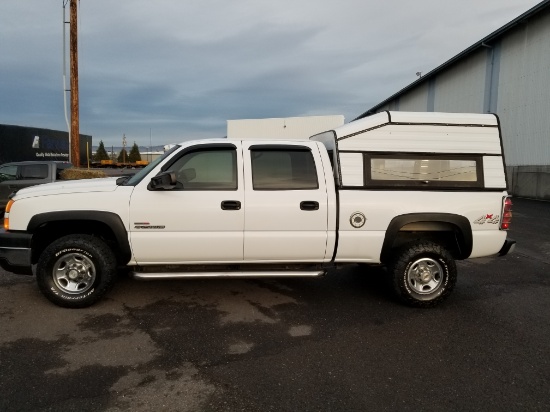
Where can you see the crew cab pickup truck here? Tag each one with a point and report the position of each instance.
(412, 191)
(17, 175)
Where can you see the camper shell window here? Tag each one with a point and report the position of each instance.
(437, 170)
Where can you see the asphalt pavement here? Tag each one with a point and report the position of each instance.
(340, 343)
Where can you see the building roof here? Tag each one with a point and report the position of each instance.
(480, 44)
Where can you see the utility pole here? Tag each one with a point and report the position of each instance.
(73, 44)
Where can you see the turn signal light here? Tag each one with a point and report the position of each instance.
(9, 205)
(506, 213)
(7, 214)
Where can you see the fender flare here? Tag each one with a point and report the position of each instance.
(112, 220)
(463, 234)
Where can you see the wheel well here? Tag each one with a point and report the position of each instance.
(48, 232)
(450, 231)
(446, 238)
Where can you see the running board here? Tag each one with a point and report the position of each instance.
(209, 275)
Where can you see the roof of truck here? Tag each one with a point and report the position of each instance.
(418, 118)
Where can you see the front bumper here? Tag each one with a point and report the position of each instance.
(15, 252)
(508, 247)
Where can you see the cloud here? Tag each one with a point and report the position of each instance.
(179, 70)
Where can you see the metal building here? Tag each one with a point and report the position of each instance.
(20, 143)
(507, 73)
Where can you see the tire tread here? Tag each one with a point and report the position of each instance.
(105, 262)
(400, 259)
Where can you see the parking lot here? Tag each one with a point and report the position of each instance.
(340, 343)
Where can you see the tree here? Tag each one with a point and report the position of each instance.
(134, 155)
(122, 156)
(101, 153)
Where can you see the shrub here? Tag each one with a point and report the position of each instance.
(75, 174)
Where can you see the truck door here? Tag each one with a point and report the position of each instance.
(200, 220)
(286, 209)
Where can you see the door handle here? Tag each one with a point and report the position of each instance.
(231, 205)
(309, 205)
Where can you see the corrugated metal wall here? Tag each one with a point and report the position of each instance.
(415, 101)
(461, 88)
(524, 93)
(510, 77)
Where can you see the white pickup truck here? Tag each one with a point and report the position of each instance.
(412, 191)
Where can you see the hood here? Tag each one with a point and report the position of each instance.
(106, 184)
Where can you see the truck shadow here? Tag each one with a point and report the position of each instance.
(367, 285)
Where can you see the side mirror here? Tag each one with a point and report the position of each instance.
(121, 180)
(163, 181)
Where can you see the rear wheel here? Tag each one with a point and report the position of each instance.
(423, 273)
(75, 271)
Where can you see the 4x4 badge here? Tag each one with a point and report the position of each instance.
(493, 219)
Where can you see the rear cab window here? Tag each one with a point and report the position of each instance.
(283, 168)
(33, 172)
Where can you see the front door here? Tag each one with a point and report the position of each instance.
(201, 220)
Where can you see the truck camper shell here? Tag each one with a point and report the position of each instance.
(413, 150)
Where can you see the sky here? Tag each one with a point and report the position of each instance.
(166, 71)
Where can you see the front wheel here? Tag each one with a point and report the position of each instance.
(75, 271)
(423, 273)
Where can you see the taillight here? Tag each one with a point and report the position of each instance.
(506, 213)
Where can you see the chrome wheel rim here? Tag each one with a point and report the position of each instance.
(74, 273)
(425, 276)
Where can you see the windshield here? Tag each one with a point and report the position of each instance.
(138, 177)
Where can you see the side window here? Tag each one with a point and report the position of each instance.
(209, 169)
(292, 169)
(432, 170)
(8, 173)
(37, 171)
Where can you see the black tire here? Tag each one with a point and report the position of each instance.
(423, 273)
(75, 271)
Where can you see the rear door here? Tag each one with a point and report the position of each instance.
(286, 208)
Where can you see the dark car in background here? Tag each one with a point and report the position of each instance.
(17, 175)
